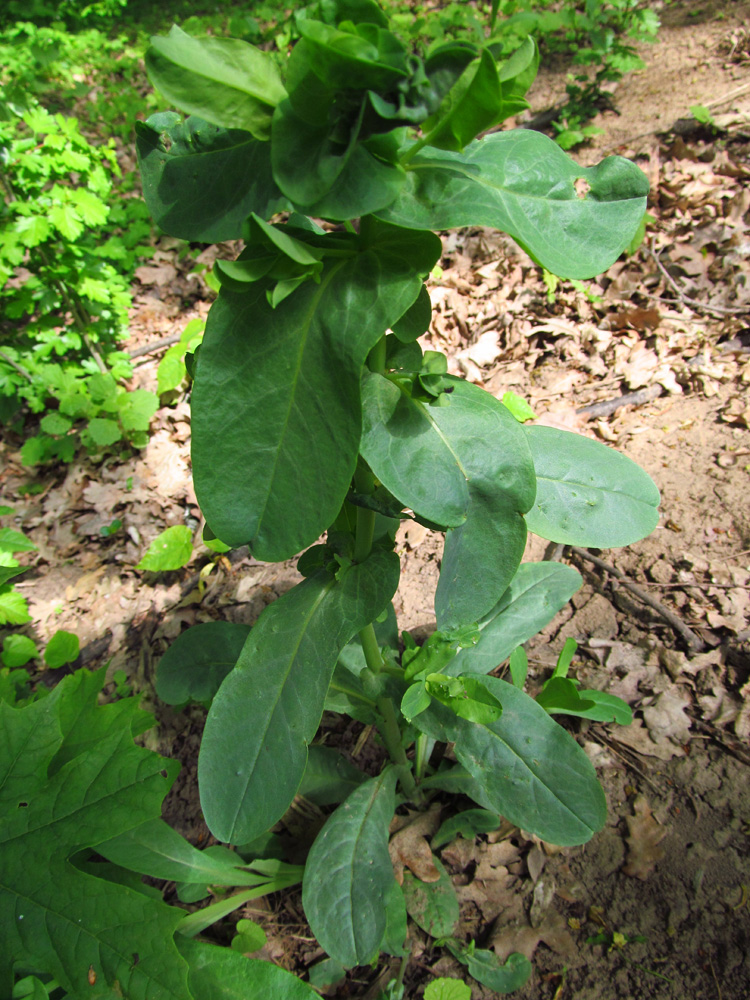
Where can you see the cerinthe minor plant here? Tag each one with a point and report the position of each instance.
(316, 413)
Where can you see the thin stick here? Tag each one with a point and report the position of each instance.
(18, 368)
(693, 641)
(718, 310)
(156, 346)
(600, 738)
(607, 407)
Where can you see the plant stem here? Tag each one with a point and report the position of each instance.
(371, 648)
(392, 738)
(365, 483)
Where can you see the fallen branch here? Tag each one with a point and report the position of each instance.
(608, 406)
(693, 641)
(694, 303)
(156, 346)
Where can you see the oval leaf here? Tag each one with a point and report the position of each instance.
(433, 906)
(254, 748)
(530, 769)
(224, 80)
(223, 974)
(199, 659)
(170, 550)
(201, 182)
(348, 874)
(535, 595)
(588, 494)
(273, 410)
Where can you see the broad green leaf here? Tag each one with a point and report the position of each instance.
(55, 423)
(254, 750)
(171, 549)
(342, 58)
(103, 431)
(15, 541)
(466, 696)
(415, 700)
(519, 667)
(487, 969)
(447, 989)
(466, 824)
(588, 494)
(62, 648)
(518, 407)
(328, 777)
(156, 850)
(433, 906)
(203, 182)
(273, 410)
(136, 409)
(535, 595)
(473, 104)
(349, 874)
(18, 650)
(223, 974)
(225, 81)
(54, 917)
(416, 319)
(199, 659)
(250, 937)
(522, 183)
(396, 922)
(457, 780)
(462, 464)
(324, 178)
(530, 769)
(561, 696)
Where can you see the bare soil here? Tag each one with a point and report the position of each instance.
(664, 888)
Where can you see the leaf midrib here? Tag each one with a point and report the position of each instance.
(279, 691)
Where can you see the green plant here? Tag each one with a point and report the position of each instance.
(309, 417)
(79, 825)
(63, 296)
(14, 609)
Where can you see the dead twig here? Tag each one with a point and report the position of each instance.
(694, 303)
(693, 641)
(716, 734)
(156, 346)
(608, 406)
(606, 742)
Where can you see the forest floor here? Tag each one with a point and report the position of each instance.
(664, 890)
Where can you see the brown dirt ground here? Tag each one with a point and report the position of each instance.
(671, 867)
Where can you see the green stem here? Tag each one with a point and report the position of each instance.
(349, 227)
(376, 358)
(365, 483)
(392, 738)
(371, 648)
(413, 150)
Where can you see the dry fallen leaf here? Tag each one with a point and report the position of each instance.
(409, 848)
(644, 842)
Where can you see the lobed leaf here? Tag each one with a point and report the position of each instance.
(522, 183)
